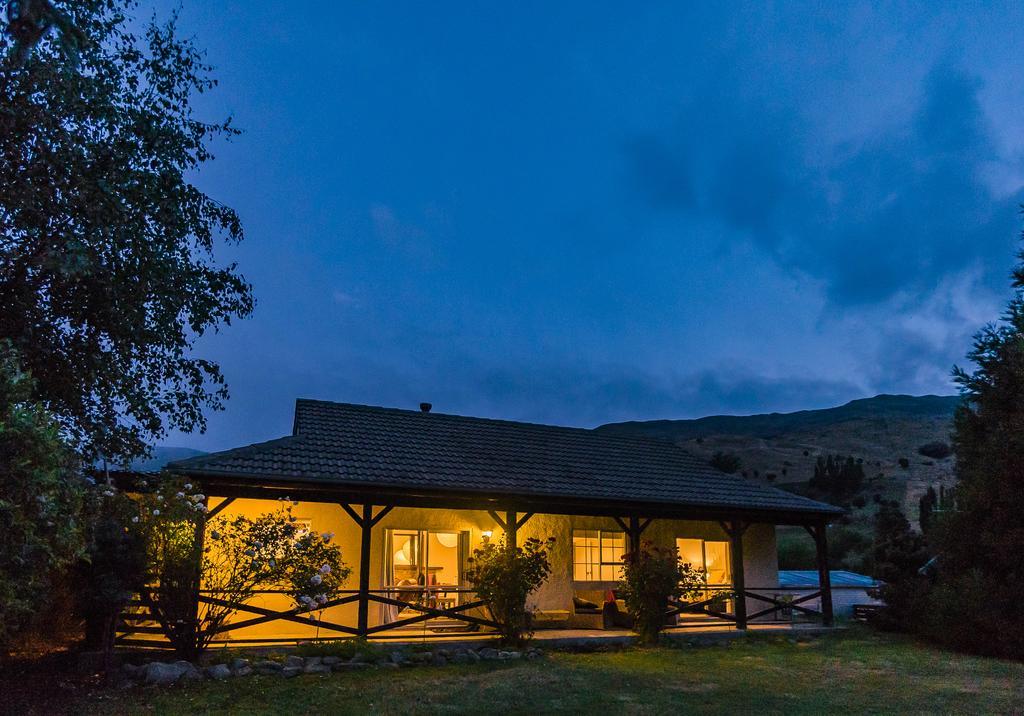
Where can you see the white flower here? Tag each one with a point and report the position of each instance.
(259, 545)
(188, 485)
(215, 534)
(326, 569)
(315, 579)
(180, 495)
(250, 552)
(135, 519)
(273, 563)
(156, 512)
(202, 508)
(108, 493)
(327, 536)
(198, 498)
(159, 498)
(295, 502)
(305, 599)
(321, 598)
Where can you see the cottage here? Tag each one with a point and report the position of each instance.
(409, 494)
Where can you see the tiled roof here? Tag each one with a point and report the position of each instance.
(362, 446)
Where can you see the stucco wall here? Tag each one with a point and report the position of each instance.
(760, 557)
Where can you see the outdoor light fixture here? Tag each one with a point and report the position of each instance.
(486, 534)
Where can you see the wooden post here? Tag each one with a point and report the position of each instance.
(199, 543)
(634, 534)
(824, 577)
(735, 530)
(511, 527)
(366, 525)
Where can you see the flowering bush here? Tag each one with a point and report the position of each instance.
(230, 557)
(651, 577)
(504, 578)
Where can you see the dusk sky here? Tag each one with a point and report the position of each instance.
(580, 213)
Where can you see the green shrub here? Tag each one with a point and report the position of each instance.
(652, 576)
(504, 578)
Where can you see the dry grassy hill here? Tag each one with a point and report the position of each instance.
(782, 448)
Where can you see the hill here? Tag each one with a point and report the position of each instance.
(885, 432)
(163, 455)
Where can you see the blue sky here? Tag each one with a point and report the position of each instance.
(587, 212)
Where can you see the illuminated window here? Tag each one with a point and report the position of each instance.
(597, 555)
(708, 556)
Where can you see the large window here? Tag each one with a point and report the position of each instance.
(597, 555)
(710, 557)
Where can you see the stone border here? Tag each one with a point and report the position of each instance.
(165, 673)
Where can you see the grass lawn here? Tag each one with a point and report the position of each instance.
(856, 672)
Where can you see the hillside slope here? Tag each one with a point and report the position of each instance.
(783, 447)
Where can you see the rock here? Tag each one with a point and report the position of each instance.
(504, 655)
(398, 657)
(461, 657)
(331, 660)
(488, 654)
(317, 668)
(132, 671)
(533, 654)
(314, 660)
(443, 652)
(421, 657)
(389, 665)
(290, 671)
(219, 671)
(267, 667)
(358, 658)
(439, 660)
(160, 674)
(189, 671)
(294, 661)
(244, 671)
(239, 663)
(472, 655)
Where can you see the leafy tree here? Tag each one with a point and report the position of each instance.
(652, 576)
(837, 477)
(504, 578)
(726, 462)
(980, 576)
(898, 554)
(41, 500)
(107, 274)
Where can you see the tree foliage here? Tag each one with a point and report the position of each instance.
(107, 273)
(838, 477)
(651, 577)
(726, 462)
(41, 502)
(980, 579)
(504, 578)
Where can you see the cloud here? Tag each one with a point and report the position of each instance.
(895, 213)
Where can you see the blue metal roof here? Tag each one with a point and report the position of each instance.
(839, 577)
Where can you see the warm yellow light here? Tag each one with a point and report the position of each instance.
(486, 534)
(447, 539)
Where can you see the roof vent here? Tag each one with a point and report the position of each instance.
(425, 407)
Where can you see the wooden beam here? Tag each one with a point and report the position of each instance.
(621, 523)
(735, 531)
(824, 576)
(219, 508)
(501, 523)
(381, 515)
(356, 517)
(523, 519)
(366, 523)
(511, 525)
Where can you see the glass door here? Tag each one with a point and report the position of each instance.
(424, 567)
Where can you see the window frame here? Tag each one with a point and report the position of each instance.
(596, 567)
